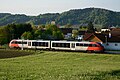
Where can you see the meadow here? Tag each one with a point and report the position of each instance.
(58, 65)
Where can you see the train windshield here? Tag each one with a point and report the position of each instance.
(100, 44)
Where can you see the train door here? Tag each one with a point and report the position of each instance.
(29, 44)
(72, 46)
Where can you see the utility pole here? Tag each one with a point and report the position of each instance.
(106, 39)
(22, 45)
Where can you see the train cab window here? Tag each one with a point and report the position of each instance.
(19, 42)
(90, 45)
(16, 42)
(13, 42)
(94, 45)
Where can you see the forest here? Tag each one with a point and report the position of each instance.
(98, 16)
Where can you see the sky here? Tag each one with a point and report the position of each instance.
(36, 7)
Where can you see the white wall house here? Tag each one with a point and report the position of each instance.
(68, 36)
(103, 30)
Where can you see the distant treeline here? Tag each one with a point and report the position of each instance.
(74, 17)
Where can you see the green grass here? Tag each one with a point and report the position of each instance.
(49, 65)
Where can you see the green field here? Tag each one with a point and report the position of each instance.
(49, 65)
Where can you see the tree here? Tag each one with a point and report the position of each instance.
(4, 37)
(16, 30)
(27, 35)
(58, 35)
(90, 28)
(53, 32)
(74, 33)
(38, 34)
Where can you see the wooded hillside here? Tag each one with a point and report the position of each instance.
(77, 16)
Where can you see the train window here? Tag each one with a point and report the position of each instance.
(53, 44)
(94, 45)
(24, 42)
(116, 44)
(90, 45)
(46, 44)
(20, 42)
(38, 43)
(86, 44)
(16, 42)
(42, 44)
(100, 44)
(62, 45)
(13, 42)
(58, 44)
(65, 45)
(34, 43)
(79, 44)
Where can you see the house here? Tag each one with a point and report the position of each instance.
(95, 37)
(67, 32)
(104, 30)
(81, 33)
(110, 41)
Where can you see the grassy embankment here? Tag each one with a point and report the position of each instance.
(49, 65)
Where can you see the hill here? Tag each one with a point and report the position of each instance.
(74, 17)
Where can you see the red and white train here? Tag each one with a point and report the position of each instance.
(57, 45)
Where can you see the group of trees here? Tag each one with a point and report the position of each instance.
(26, 31)
(13, 31)
(48, 32)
